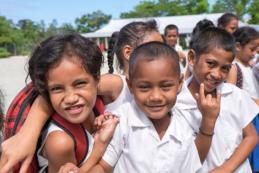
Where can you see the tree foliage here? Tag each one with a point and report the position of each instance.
(240, 7)
(167, 8)
(254, 12)
(92, 21)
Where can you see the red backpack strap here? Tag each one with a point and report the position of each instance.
(78, 134)
(99, 106)
(15, 117)
(239, 82)
(18, 110)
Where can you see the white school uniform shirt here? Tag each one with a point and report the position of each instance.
(136, 146)
(123, 97)
(237, 110)
(43, 162)
(250, 84)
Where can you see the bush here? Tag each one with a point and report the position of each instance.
(4, 53)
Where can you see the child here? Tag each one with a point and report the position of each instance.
(234, 137)
(72, 97)
(112, 88)
(247, 41)
(171, 35)
(151, 136)
(229, 22)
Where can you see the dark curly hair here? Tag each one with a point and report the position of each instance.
(52, 50)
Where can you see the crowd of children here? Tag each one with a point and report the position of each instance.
(158, 118)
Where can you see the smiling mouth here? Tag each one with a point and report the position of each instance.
(156, 107)
(74, 110)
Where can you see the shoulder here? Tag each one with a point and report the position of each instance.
(58, 144)
(110, 87)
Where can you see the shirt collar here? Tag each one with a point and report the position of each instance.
(137, 118)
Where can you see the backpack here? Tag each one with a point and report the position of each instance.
(17, 114)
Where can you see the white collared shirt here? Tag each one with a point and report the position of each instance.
(237, 110)
(136, 146)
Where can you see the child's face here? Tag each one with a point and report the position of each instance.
(72, 90)
(232, 26)
(247, 52)
(155, 85)
(171, 37)
(211, 69)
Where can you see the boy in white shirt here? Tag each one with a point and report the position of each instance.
(151, 137)
(234, 136)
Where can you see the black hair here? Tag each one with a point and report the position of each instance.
(111, 48)
(171, 27)
(225, 19)
(151, 51)
(199, 27)
(212, 38)
(133, 35)
(52, 50)
(245, 34)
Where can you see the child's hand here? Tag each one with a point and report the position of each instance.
(209, 108)
(208, 105)
(11, 154)
(220, 170)
(69, 168)
(105, 125)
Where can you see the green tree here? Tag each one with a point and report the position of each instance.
(238, 6)
(92, 21)
(167, 8)
(5, 31)
(253, 10)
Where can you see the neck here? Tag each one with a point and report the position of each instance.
(243, 62)
(161, 125)
(89, 123)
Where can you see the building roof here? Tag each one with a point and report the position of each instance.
(184, 23)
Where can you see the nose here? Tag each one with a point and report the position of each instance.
(70, 97)
(216, 74)
(155, 95)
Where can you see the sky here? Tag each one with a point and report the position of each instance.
(64, 11)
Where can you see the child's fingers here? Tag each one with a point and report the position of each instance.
(201, 92)
(25, 166)
(6, 165)
(218, 99)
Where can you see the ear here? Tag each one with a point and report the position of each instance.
(191, 57)
(127, 50)
(238, 46)
(181, 79)
(129, 83)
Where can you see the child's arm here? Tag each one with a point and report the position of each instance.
(232, 75)
(242, 152)
(110, 87)
(101, 139)
(106, 125)
(26, 138)
(209, 108)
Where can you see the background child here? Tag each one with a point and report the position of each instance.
(171, 35)
(151, 137)
(234, 137)
(229, 22)
(247, 41)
